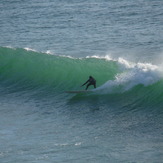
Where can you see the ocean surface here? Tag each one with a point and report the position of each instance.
(48, 47)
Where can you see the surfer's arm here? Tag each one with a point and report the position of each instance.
(85, 83)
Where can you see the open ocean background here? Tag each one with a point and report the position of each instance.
(50, 46)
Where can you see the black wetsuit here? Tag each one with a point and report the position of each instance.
(90, 81)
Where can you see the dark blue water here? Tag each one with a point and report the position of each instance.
(84, 28)
(48, 47)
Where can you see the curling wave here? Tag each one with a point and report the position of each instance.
(26, 69)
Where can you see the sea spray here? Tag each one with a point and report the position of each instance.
(131, 74)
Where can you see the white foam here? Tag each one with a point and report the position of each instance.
(29, 49)
(49, 52)
(132, 74)
(106, 57)
(10, 47)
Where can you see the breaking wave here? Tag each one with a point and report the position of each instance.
(27, 69)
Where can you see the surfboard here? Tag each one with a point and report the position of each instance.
(78, 91)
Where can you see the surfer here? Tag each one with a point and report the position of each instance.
(90, 81)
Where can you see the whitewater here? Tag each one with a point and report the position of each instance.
(50, 47)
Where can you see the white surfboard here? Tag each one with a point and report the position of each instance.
(78, 91)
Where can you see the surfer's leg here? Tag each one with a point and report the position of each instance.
(87, 86)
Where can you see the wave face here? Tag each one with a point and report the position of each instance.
(25, 69)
